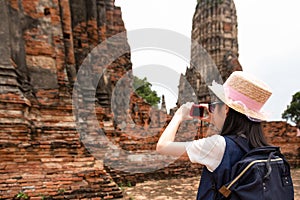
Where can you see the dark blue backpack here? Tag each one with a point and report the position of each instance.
(262, 174)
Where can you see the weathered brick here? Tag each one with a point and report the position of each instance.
(41, 151)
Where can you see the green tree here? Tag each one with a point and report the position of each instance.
(143, 89)
(293, 110)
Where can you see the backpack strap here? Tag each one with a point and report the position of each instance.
(241, 141)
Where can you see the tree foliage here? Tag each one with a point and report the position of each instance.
(293, 110)
(143, 89)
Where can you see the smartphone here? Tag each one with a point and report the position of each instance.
(197, 111)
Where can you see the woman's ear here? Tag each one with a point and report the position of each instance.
(226, 109)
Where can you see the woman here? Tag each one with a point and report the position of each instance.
(235, 111)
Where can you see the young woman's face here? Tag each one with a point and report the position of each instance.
(218, 115)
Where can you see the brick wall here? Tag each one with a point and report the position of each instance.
(284, 135)
(43, 44)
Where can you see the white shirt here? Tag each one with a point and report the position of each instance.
(207, 151)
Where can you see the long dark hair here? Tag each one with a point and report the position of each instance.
(239, 124)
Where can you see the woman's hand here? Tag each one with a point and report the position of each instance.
(183, 113)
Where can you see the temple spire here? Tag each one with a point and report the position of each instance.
(215, 30)
(163, 104)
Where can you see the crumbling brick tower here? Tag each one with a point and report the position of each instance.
(215, 29)
(43, 44)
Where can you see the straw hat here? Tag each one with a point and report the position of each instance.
(243, 93)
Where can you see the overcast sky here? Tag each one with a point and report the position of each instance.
(268, 36)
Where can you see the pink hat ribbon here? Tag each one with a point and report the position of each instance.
(234, 95)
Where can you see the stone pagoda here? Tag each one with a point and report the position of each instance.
(214, 49)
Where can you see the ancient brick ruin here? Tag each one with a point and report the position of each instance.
(46, 141)
(214, 29)
(43, 44)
